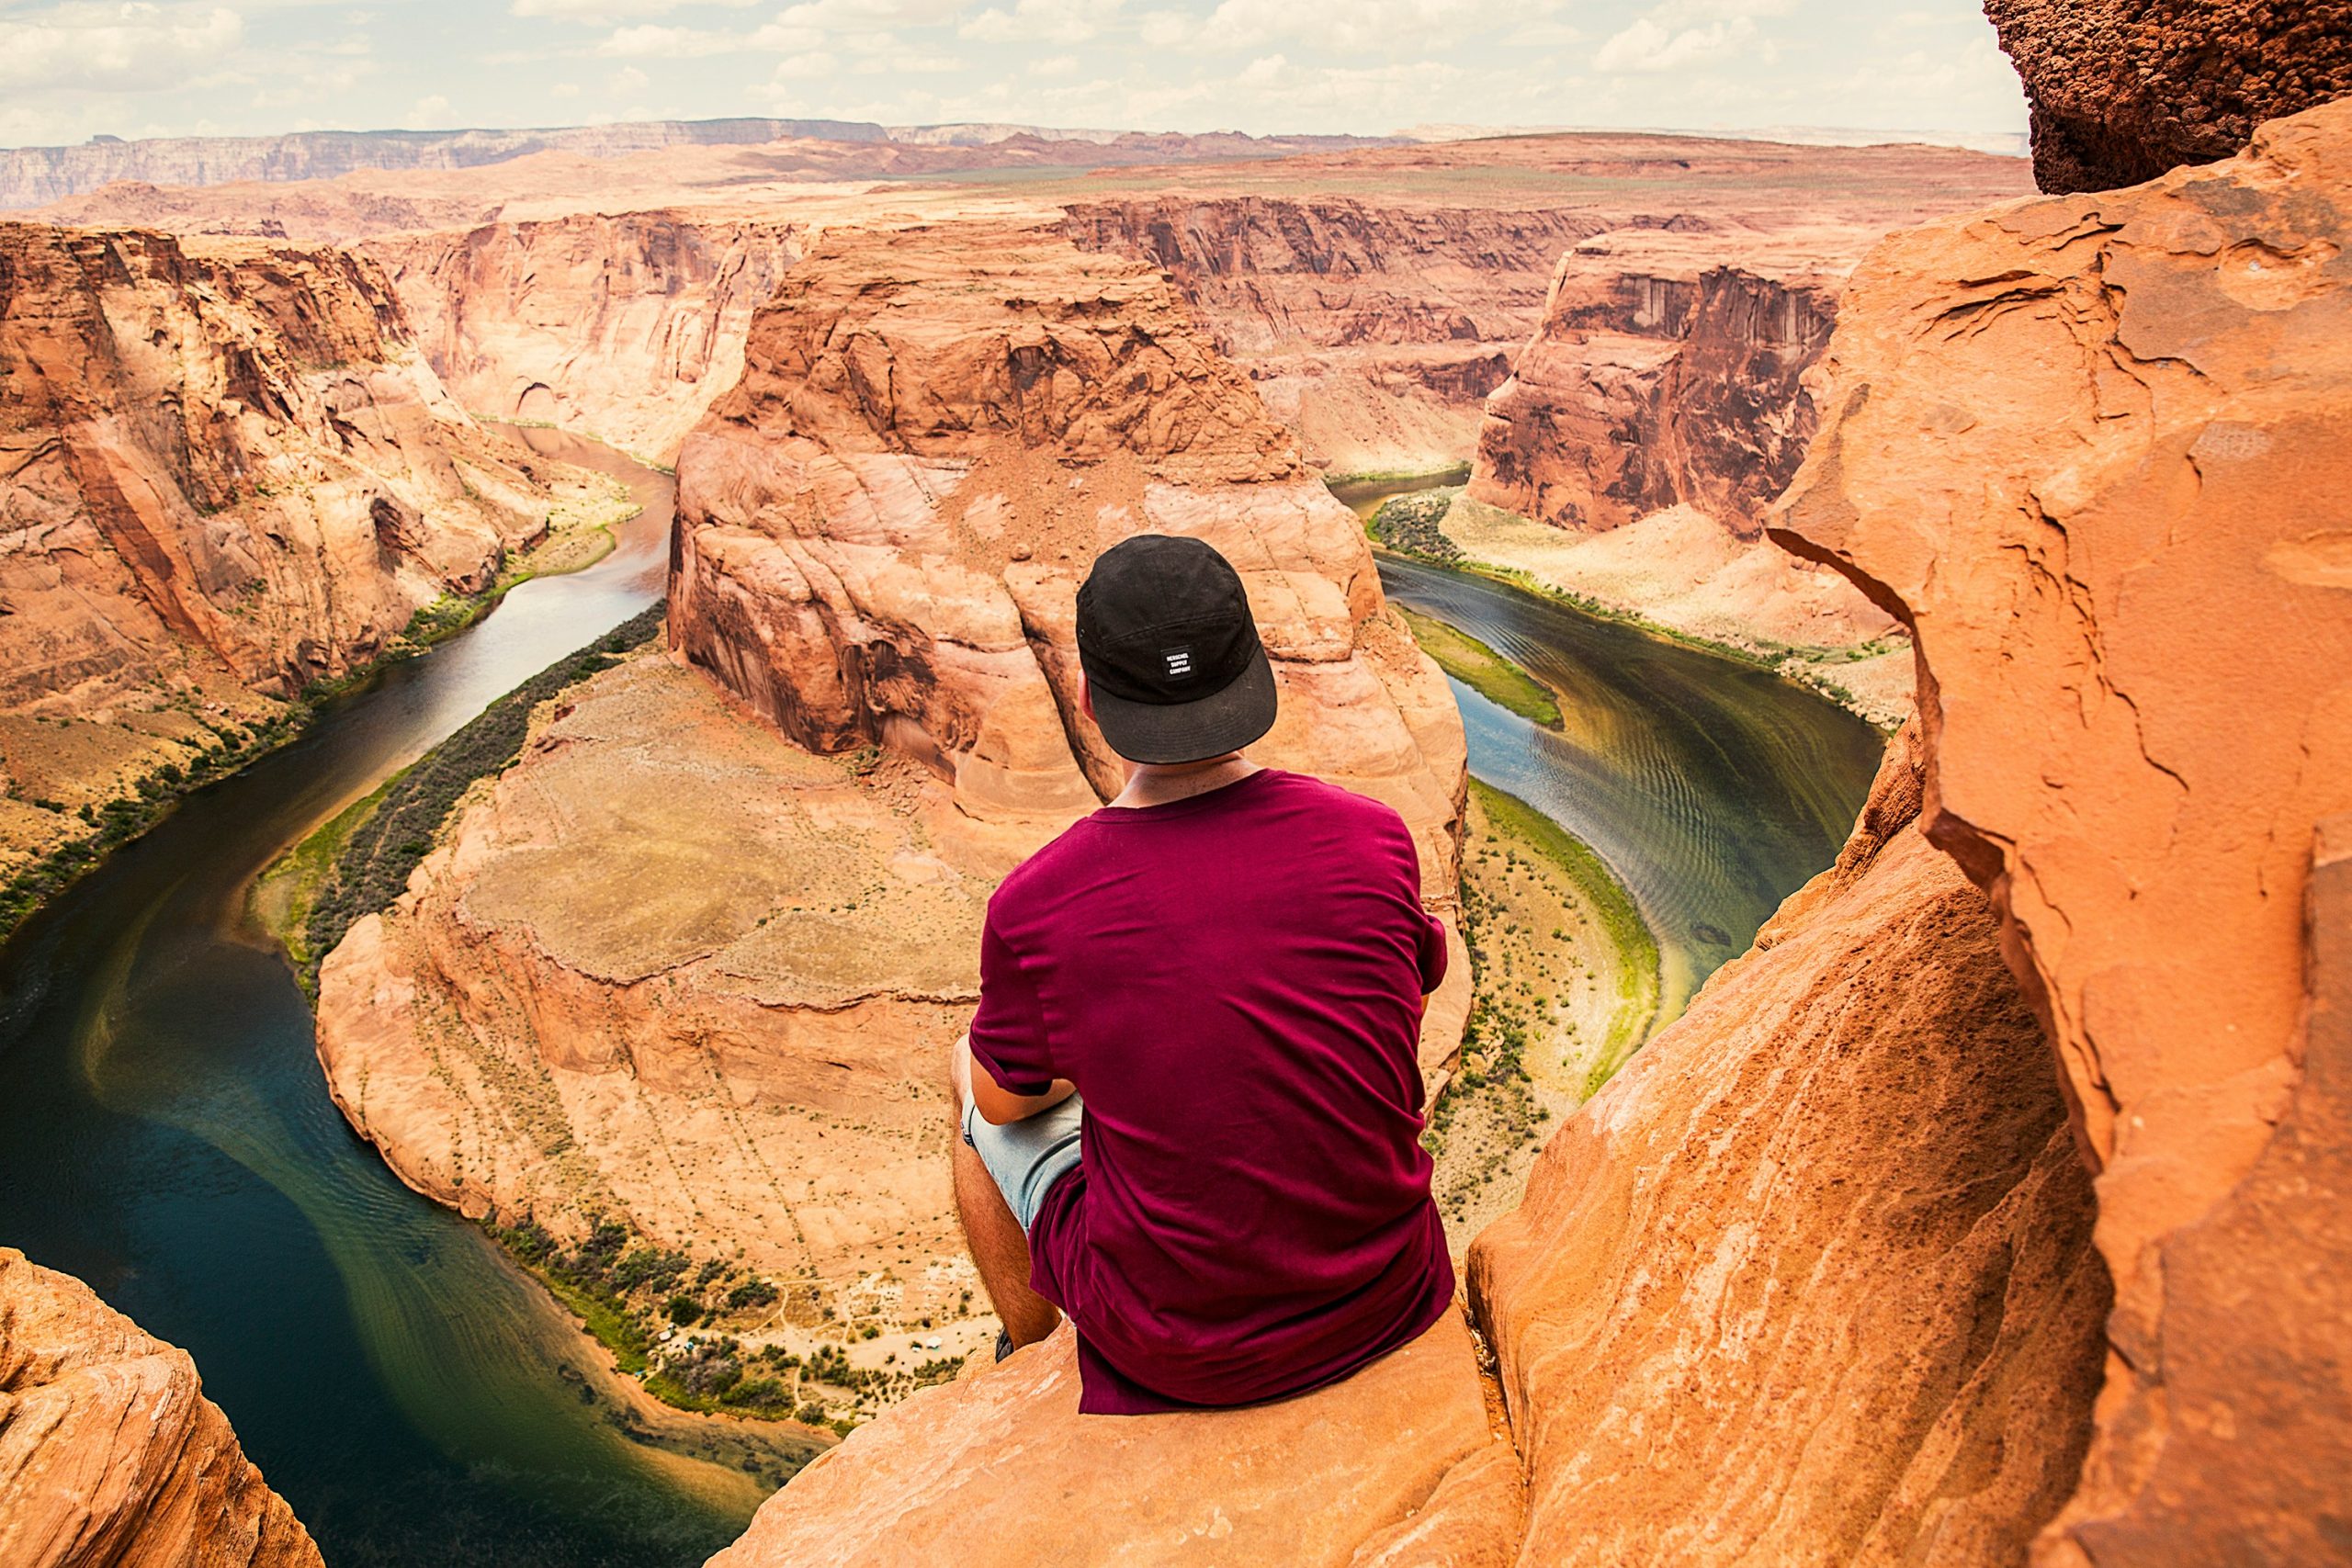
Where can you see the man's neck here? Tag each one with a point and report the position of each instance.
(1156, 783)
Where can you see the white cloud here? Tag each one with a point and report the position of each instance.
(116, 49)
(1042, 21)
(601, 12)
(655, 42)
(430, 113)
(1394, 26)
(1059, 65)
(1651, 45)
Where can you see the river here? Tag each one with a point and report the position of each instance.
(1713, 788)
(166, 1132)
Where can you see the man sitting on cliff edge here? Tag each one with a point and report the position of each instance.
(1189, 1102)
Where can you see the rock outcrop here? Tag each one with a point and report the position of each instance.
(1825, 1242)
(1667, 371)
(882, 530)
(2093, 451)
(1373, 329)
(225, 472)
(1810, 1281)
(696, 960)
(622, 327)
(2119, 91)
(1400, 1466)
(675, 970)
(110, 1452)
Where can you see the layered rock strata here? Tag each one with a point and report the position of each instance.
(622, 327)
(1666, 371)
(2092, 450)
(696, 960)
(225, 472)
(1373, 330)
(110, 1452)
(882, 530)
(2121, 92)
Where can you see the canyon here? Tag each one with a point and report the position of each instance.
(873, 584)
(1989, 1209)
(227, 473)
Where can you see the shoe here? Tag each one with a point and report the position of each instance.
(1004, 1343)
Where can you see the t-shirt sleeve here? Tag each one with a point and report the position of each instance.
(1009, 1030)
(1432, 953)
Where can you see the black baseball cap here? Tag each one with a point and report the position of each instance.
(1170, 653)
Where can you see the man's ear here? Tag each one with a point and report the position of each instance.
(1085, 697)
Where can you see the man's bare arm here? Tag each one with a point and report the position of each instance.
(998, 1105)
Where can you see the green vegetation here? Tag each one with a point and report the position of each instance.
(1620, 920)
(1410, 524)
(358, 863)
(1484, 671)
(123, 818)
(1453, 473)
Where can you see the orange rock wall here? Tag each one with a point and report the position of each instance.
(110, 1456)
(622, 327)
(2093, 450)
(1666, 372)
(223, 457)
(1812, 1278)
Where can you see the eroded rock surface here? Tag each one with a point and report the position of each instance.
(1812, 1279)
(225, 471)
(110, 1452)
(2093, 449)
(882, 530)
(1398, 1465)
(675, 970)
(2120, 91)
(622, 327)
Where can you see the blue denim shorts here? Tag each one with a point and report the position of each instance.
(1026, 1158)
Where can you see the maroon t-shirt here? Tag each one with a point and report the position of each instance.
(1234, 982)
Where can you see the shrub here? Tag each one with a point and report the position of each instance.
(683, 1310)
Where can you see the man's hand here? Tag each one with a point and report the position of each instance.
(998, 1105)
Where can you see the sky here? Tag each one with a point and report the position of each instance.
(71, 69)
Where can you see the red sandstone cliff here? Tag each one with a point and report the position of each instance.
(2093, 450)
(622, 327)
(225, 471)
(2121, 90)
(1666, 371)
(110, 1456)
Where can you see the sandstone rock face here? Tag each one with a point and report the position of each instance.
(622, 327)
(1825, 1243)
(1376, 329)
(110, 1452)
(882, 530)
(1397, 1465)
(1667, 372)
(2093, 450)
(225, 472)
(2121, 92)
(228, 455)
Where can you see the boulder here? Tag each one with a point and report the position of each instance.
(2121, 90)
(110, 1456)
(2094, 451)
